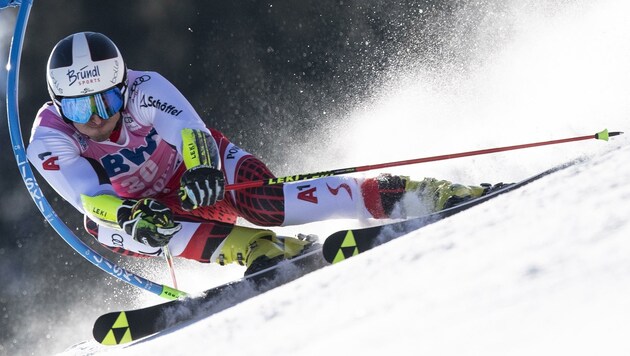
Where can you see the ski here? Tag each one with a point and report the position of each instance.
(347, 243)
(126, 326)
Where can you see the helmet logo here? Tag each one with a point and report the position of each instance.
(56, 83)
(116, 68)
(84, 75)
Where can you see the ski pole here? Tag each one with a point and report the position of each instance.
(171, 265)
(603, 135)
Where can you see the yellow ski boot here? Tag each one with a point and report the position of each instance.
(397, 196)
(259, 249)
(442, 194)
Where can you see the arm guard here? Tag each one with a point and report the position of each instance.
(199, 149)
(102, 208)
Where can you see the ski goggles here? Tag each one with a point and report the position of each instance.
(104, 104)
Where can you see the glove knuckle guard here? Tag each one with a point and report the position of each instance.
(201, 186)
(143, 219)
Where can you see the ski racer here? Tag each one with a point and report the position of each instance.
(128, 151)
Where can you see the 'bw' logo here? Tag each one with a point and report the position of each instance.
(114, 164)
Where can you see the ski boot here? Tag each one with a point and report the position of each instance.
(444, 194)
(434, 194)
(259, 249)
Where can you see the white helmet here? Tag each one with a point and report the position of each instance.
(82, 65)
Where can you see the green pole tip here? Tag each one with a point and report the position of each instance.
(172, 293)
(602, 135)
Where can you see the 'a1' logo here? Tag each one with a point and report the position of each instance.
(307, 193)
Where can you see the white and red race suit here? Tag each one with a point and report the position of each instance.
(143, 158)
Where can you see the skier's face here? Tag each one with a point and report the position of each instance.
(98, 129)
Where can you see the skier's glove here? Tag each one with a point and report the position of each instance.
(201, 186)
(147, 221)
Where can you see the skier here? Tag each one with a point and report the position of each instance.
(127, 150)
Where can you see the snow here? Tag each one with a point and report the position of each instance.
(541, 270)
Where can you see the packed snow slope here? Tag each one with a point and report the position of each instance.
(541, 270)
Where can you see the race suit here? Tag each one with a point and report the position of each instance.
(143, 158)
